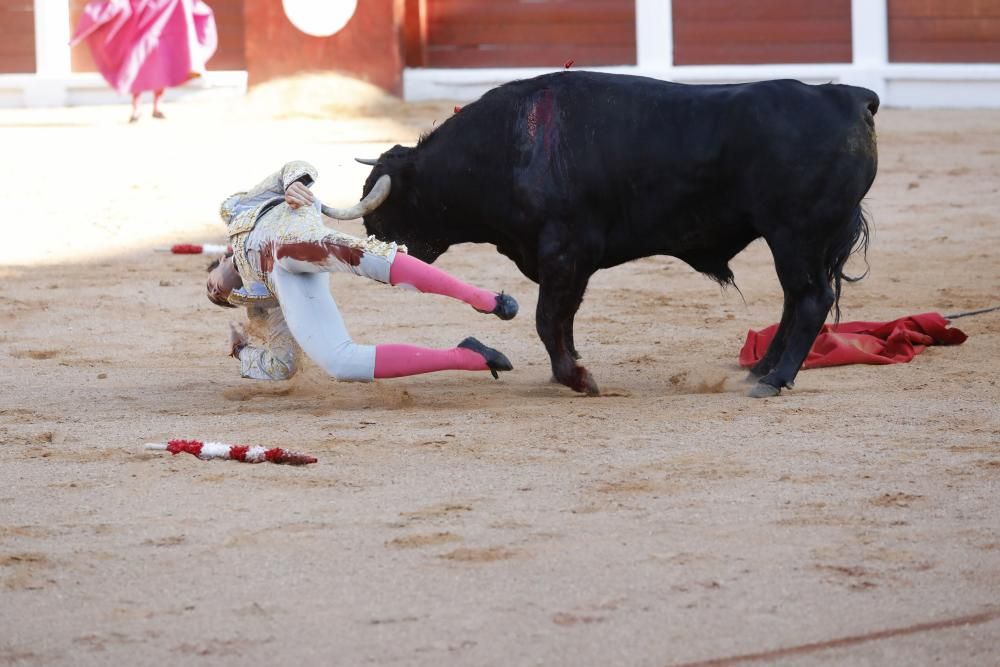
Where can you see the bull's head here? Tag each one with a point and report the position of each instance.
(400, 217)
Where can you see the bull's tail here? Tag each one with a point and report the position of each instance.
(853, 238)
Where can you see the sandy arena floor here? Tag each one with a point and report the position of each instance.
(453, 519)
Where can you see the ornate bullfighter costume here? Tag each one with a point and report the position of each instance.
(283, 253)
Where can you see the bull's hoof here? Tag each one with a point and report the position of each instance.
(580, 380)
(584, 382)
(752, 378)
(764, 390)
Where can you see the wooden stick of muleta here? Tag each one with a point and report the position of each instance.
(242, 453)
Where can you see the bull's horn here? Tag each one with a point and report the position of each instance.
(367, 160)
(366, 205)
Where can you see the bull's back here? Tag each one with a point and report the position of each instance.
(588, 129)
(633, 157)
(666, 162)
(635, 125)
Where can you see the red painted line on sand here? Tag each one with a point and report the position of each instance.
(974, 619)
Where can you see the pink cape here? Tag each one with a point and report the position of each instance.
(863, 342)
(148, 44)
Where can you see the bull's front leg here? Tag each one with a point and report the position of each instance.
(562, 282)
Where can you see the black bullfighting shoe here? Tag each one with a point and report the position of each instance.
(495, 360)
(505, 309)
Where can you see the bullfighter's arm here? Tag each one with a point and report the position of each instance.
(298, 170)
(278, 182)
(275, 360)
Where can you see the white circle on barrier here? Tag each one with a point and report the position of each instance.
(319, 18)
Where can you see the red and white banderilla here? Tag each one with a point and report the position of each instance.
(242, 453)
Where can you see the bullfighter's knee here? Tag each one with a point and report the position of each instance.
(350, 362)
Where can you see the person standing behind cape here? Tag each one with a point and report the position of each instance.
(141, 45)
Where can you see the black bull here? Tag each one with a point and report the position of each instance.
(572, 172)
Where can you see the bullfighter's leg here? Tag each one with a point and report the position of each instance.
(410, 271)
(341, 253)
(157, 96)
(315, 322)
(135, 108)
(810, 295)
(563, 278)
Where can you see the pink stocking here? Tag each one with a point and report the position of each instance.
(408, 270)
(393, 361)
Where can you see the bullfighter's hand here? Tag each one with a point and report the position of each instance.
(298, 195)
(237, 339)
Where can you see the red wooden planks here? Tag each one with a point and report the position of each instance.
(17, 37)
(533, 56)
(715, 32)
(509, 33)
(941, 31)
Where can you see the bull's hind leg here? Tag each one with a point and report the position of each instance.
(808, 299)
(562, 282)
(778, 343)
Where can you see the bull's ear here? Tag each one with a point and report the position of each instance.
(366, 160)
